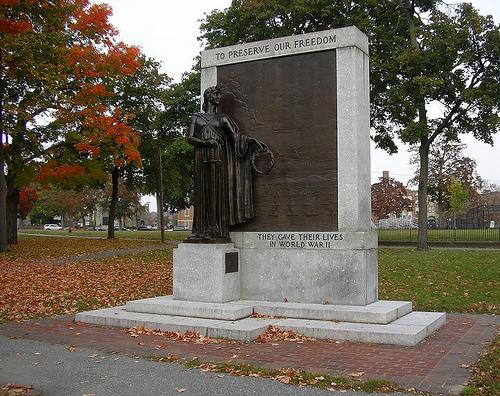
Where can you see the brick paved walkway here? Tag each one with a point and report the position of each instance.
(438, 364)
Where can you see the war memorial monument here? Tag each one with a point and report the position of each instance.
(282, 222)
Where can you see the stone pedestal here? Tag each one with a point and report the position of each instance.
(309, 267)
(206, 272)
(307, 97)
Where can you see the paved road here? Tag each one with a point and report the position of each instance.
(54, 370)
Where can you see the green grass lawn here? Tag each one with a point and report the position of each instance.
(441, 235)
(154, 235)
(441, 279)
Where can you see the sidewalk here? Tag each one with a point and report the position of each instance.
(439, 364)
(52, 370)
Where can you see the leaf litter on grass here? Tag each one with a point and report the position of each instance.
(46, 248)
(35, 289)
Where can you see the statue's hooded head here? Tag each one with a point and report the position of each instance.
(209, 93)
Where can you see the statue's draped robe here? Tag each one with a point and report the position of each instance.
(223, 176)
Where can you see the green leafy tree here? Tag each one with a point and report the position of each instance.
(127, 204)
(181, 100)
(56, 202)
(421, 53)
(89, 199)
(142, 96)
(44, 209)
(458, 200)
(179, 170)
(446, 164)
(453, 60)
(161, 113)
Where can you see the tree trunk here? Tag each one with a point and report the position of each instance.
(160, 197)
(409, 14)
(4, 246)
(422, 197)
(158, 207)
(12, 204)
(115, 175)
(3, 204)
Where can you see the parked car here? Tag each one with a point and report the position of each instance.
(180, 228)
(431, 223)
(143, 227)
(51, 227)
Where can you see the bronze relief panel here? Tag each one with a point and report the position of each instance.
(290, 103)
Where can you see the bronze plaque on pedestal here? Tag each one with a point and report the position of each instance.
(231, 262)
(289, 103)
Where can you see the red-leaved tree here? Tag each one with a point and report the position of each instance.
(388, 197)
(27, 197)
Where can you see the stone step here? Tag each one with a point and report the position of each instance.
(166, 305)
(381, 312)
(408, 330)
(243, 330)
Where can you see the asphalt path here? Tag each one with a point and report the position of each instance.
(56, 370)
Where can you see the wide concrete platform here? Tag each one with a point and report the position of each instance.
(381, 312)
(166, 305)
(383, 322)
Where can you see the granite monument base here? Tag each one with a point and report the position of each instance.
(206, 272)
(382, 322)
(322, 285)
(309, 267)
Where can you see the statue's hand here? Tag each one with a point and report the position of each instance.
(211, 142)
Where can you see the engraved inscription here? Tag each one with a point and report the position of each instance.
(299, 240)
(283, 47)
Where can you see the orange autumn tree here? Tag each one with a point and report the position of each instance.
(91, 118)
(59, 60)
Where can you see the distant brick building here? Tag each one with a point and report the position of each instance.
(185, 218)
(491, 198)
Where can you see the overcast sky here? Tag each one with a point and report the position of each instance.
(168, 31)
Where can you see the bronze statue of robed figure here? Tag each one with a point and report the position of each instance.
(224, 160)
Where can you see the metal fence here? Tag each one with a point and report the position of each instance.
(441, 235)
